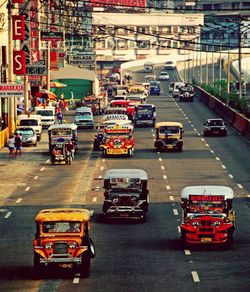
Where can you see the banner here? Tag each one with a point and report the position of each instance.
(125, 3)
(19, 64)
(18, 27)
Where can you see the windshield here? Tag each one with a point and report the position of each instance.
(61, 227)
(215, 123)
(117, 135)
(61, 132)
(81, 114)
(136, 98)
(28, 123)
(45, 113)
(144, 111)
(169, 130)
(125, 183)
(164, 73)
(25, 131)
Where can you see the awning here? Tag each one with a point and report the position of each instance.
(71, 72)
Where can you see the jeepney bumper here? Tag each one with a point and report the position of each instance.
(125, 212)
(145, 122)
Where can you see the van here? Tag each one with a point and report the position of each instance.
(170, 65)
(84, 117)
(47, 115)
(148, 67)
(174, 88)
(31, 121)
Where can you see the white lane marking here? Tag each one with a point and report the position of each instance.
(76, 280)
(186, 118)
(102, 168)
(179, 229)
(160, 159)
(168, 187)
(202, 139)
(230, 175)
(217, 158)
(240, 186)
(164, 176)
(187, 252)
(248, 196)
(162, 167)
(171, 198)
(36, 177)
(153, 135)
(100, 177)
(189, 122)
(198, 134)
(152, 130)
(195, 129)
(212, 151)
(42, 169)
(175, 211)
(94, 199)
(7, 215)
(27, 189)
(223, 166)
(158, 153)
(47, 161)
(207, 145)
(195, 276)
(103, 160)
(91, 212)
(19, 200)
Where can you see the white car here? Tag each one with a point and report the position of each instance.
(163, 76)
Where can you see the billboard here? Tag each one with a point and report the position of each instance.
(125, 3)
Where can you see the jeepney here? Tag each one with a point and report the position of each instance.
(118, 140)
(168, 136)
(126, 194)
(130, 105)
(144, 114)
(117, 110)
(62, 240)
(59, 133)
(207, 215)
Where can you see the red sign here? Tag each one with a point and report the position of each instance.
(18, 27)
(126, 3)
(19, 64)
(206, 198)
(17, 1)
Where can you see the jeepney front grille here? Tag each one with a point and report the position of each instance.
(170, 141)
(60, 248)
(206, 222)
(125, 201)
(206, 229)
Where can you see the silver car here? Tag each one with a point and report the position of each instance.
(29, 136)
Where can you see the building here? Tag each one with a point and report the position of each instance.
(121, 37)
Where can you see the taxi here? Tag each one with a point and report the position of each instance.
(62, 239)
(118, 140)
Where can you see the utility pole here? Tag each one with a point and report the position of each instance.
(239, 58)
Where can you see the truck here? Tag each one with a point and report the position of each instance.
(31, 121)
(47, 115)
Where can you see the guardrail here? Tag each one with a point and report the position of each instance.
(238, 121)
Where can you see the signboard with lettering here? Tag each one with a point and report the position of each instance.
(51, 35)
(36, 70)
(19, 64)
(11, 90)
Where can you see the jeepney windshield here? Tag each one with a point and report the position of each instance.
(122, 183)
(206, 207)
(117, 135)
(61, 227)
(44, 113)
(144, 110)
(61, 132)
(83, 114)
(169, 130)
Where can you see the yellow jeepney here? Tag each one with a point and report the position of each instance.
(168, 136)
(62, 239)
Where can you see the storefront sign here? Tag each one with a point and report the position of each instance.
(11, 90)
(19, 64)
(18, 27)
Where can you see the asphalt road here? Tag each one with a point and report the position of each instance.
(131, 256)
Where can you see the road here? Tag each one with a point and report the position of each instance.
(131, 256)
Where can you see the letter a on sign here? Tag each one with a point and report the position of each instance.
(19, 64)
(18, 27)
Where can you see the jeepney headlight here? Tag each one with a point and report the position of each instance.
(48, 245)
(216, 223)
(195, 223)
(72, 245)
(115, 200)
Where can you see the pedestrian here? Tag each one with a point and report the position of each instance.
(71, 97)
(11, 145)
(18, 144)
(59, 117)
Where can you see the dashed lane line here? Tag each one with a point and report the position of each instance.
(240, 186)
(164, 176)
(91, 212)
(230, 175)
(100, 176)
(102, 168)
(171, 198)
(18, 201)
(207, 145)
(160, 159)
(179, 229)
(103, 160)
(187, 252)
(248, 196)
(7, 215)
(42, 169)
(175, 211)
(36, 177)
(76, 279)
(48, 160)
(27, 189)
(212, 151)
(168, 187)
(94, 199)
(223, 166)
(162, 167)
(195, 276)
(217, 158)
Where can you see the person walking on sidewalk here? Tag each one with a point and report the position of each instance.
(59, 117)
(18, 144)
(11, 145)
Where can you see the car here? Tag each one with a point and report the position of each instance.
(163, 75)
(29, 136)
(84, 117)
(214, 127)
(174, 88)
(170, 65)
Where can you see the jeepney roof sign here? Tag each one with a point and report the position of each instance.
(210, 192)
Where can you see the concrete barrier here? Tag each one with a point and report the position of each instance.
(240, 123)
(211, 102)
(247, 131)
(225, 112)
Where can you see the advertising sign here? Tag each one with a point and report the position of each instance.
(18, 27)
(19, 64)
(125, 3)
(11, 90)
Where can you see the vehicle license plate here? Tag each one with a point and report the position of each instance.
(66, 266)
(206, 239)
(116, 151)
(124, 214)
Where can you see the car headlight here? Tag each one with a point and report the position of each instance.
(72, 245)
(48, 245)
(195, 223)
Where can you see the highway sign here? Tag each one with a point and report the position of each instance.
(11, 90)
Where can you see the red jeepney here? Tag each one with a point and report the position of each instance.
(207, 215)
(127, 104)
(118, 140)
